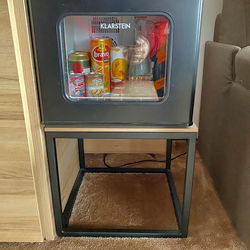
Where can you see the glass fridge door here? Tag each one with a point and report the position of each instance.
(114, 58)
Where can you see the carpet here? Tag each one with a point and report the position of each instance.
(143, 201)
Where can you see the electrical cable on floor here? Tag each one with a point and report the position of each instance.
(142, 161)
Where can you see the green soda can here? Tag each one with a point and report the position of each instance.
(79, 62)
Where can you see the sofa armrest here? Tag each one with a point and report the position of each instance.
(219, 62)
(242, 67)
(224, 129)
(218, 76)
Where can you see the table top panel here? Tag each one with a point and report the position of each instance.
(129, 129)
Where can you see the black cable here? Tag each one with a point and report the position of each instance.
(142, 161)
(178, 156)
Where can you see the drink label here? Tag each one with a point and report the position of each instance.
(79, 67)
(77, 86)
(101, 53)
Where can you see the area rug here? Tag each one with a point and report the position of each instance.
(143, 201)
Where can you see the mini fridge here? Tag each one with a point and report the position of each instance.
(116, 62)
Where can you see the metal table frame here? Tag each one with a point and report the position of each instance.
(181, 213)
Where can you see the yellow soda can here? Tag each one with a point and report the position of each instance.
(100, 59)
(119, 62)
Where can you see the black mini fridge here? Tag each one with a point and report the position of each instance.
(116, 62)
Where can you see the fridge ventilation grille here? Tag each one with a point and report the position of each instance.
(96, 21)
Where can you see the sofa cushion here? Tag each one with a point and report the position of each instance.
(235, 22)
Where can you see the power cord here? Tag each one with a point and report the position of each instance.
(142, 161)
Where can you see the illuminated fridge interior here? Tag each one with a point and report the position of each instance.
(114, 58)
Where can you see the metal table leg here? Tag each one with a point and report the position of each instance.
(62, 217)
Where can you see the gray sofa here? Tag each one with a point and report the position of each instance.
(224, 130)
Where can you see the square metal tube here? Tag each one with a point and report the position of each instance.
(62, 218)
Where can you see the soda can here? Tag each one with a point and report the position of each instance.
(77, 85)
(79, 62)
(94, 84)
(100, 59)
(119, 63)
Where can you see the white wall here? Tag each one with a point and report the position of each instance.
(211, 9)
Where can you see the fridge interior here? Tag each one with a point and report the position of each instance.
(128, 53)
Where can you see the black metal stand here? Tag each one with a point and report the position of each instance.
(181, 213)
